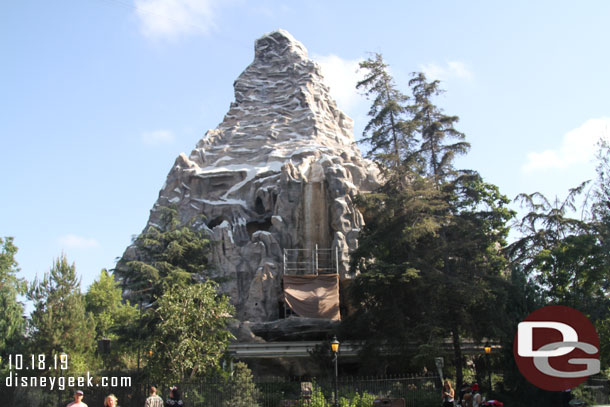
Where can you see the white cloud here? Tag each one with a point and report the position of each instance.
(453, 69)
(157, 137)
(78, 242)
(174, 18)
(341, 76)
(578, 146)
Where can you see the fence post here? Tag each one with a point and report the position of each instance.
(316, 260)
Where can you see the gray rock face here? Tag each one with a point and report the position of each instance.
(279, 172)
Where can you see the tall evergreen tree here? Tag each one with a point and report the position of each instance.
(429, 257)
(601, 224)
(388, 132)
(12, 323)
(114, 319)
(600, 209)
(59, 321)
(103, 301)
(467, 284)
(393, 252)
(435, 130)
(168, 254)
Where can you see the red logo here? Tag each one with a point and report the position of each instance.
(556, 348)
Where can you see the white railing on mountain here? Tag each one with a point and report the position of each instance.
(311, 261)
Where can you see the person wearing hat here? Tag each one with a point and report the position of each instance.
(78, 399)
(476, 395)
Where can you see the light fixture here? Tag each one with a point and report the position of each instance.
(334, 345)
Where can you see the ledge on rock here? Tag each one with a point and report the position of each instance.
(293, 328)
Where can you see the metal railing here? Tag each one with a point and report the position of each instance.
(311, 261)
(417, 390)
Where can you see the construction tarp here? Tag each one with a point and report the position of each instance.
(313, 296)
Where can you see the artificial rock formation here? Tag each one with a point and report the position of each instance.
(280, 172)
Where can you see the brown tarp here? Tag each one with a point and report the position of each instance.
(313, 296)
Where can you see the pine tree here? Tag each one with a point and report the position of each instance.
(435, 129)
(59, 321)
(12, 324)
(467, 283)
(401, 222)
(103, 301)
(242, 388)
(429, 257)
(168, 254)
(114, 319)
(388, 132)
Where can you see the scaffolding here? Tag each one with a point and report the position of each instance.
(311, 261)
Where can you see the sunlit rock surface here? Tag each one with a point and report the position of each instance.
(280, 172)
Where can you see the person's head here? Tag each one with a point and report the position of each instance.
(152, 390)
(174, 393)
(78, 395)
(475, 387)
(447, 384)
(110, 401)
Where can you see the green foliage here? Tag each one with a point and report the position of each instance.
(12, 325)
(59, 322)
(103, 301)
(388, 132)
(394, 250)
(191, 335)
(429, 257)
(363, 399)
(168, 254)
(434, 129)
(242, 387)
(564, 255)
(114, 320)
(357, 400)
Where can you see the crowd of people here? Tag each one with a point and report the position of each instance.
(468, 396)
(153, 400)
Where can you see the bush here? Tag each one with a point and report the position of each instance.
(242, 387)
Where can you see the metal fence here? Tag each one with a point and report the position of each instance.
(597, 390)
(417, 391)
(420, 391)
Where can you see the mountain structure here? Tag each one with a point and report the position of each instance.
(274, 181)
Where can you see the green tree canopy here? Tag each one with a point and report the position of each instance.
(12, 323)
(429, 258)
(191, 335)
(103, 301)
(168, 254)
(59, 322)
(565, 255)
(388, 133)
(435, 130)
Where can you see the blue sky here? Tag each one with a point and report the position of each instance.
(98, 97)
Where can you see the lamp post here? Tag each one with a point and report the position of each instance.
(487, 353)
(440, 363)
(334, 346)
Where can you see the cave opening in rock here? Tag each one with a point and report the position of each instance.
(259, 207)
(216, 221)
(255, 226)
